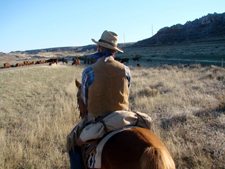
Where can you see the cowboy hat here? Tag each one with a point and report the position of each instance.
(108, 40)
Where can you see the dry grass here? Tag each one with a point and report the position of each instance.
(188, 113)
(38, 109)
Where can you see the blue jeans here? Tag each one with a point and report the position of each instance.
(76, 159)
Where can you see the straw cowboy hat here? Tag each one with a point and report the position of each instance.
(108, 40)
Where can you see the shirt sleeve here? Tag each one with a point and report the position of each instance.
(87, 81)
(128, 75)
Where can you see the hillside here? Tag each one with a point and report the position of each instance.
(73, 49)
(38, 54)
(205, 29)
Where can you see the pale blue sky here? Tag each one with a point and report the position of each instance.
(37, 24)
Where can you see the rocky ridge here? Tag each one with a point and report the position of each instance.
(207, 28)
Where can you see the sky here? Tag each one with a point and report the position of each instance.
(39, 24)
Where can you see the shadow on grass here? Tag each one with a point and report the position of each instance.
(204, 115)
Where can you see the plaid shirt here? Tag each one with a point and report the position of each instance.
(88, 79)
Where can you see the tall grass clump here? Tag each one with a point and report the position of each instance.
(38, 109)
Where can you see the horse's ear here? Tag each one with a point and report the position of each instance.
(78, 84)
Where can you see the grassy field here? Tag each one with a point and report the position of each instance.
(38, 109)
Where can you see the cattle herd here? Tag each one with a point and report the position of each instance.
(27, 63)
(75, 61)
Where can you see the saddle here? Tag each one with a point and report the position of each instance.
(91, 146)
(111, 123)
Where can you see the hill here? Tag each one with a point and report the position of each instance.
(73, 49)
(39, 54)
(205, 29)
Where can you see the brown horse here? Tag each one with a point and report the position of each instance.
(135, 148)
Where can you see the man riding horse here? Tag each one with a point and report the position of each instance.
(105, 92)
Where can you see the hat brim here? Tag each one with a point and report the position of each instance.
(106, 45)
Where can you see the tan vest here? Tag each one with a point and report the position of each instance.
(109, 91)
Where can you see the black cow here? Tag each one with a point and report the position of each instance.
(64, 60)
(123, 60)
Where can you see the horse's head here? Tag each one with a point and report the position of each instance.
(80, 102)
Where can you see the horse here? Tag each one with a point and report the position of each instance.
(135, 148)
